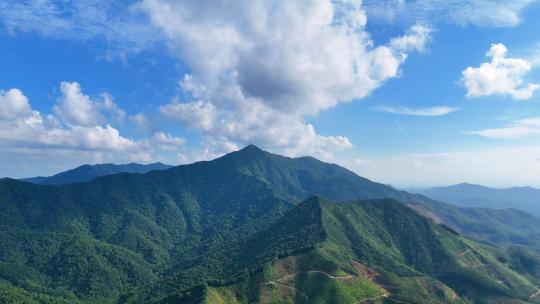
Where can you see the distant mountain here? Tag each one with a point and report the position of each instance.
(237, 230)
(468, 195)
(89, 172)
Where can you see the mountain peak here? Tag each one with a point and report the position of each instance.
(465, 184)
(251, 148)
(248, 152)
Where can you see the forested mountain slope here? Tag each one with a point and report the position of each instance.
(356, 252)
(101, 241)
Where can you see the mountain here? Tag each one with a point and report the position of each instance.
(211, 229)
(89, 172)
(468, 195)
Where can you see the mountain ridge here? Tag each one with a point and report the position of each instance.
(88, 172)
(471, 195)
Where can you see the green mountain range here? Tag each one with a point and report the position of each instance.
(86, 173)
(254, 227)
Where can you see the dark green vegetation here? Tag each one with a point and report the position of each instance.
(89, 172)
(234, 230)
(468, 195)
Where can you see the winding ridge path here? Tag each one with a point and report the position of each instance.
(384, 295)
(296, 290)
(347, 277)
(464, 252)
(398, 301)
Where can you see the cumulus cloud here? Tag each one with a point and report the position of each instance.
(429, 111)
(259, 68)
(78, 109)
(517, 129)
(461, 12)
(275, 61)
(13, 104)
(75, 125)
(503, 75)
(166, 141)
(141, 122)
(139, 119)
(415, 40)
(36, 131)
(197, 114)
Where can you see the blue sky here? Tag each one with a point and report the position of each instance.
(411, 93)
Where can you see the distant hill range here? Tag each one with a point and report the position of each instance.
(89, 172)
(468, 195)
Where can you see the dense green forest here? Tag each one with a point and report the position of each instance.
(226, 230)
(353, 251)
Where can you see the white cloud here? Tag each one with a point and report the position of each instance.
(139, 119)
(165, 141)
(36, 131)
(429, 111)
(258, 68)
(503, 75)
(415, 40)
(95, 138)
(533, 55)
(531, 122)
(252, 64)
(13, 104)
(518, 129)
(497, 167)
(76, 125)
(77, 109)
(506, 132)
(197, 114)
(107, 104)
(483, 13)
(142, 123)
